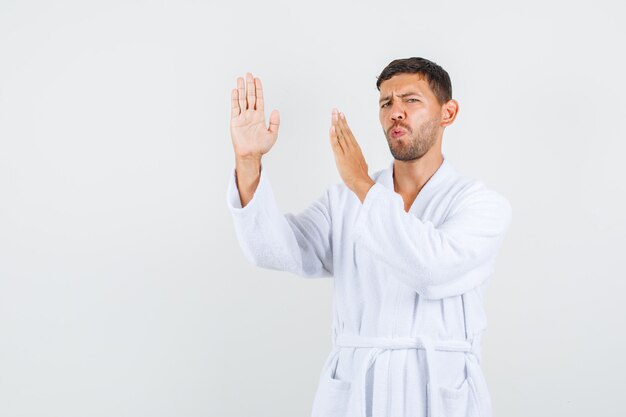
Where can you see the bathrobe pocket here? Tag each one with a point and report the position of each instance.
(459, 401)
(333, 395)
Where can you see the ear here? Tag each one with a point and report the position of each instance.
(448, 112)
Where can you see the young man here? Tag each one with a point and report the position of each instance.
(411, 249)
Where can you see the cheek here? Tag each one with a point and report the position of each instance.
(418, 116)
(382, 117)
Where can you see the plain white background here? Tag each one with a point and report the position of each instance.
(123, 291)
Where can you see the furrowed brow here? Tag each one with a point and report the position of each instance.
(403, 95)
(410, 93)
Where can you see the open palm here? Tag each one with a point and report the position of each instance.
(250, 136)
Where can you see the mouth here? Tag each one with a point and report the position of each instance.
(397, 132)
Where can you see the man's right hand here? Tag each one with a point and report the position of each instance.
(251, 138)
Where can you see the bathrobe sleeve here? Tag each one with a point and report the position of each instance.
(300, 243)
(437, 262)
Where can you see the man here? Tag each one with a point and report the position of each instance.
(410, 248)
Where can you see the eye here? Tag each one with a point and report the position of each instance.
(412, 100)
(384, 105)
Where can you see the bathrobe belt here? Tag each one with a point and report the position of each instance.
(380, 344)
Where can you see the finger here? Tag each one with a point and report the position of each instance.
(335, 134)
(342, 134)
(335, 123)
(250, 91)
(241, 94)
(347, 132)
(274, 122)
(259, 94)
(335, 142)
(234, 104)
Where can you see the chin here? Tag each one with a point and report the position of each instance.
(405, 158)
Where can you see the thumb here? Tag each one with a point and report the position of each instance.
(274, 122)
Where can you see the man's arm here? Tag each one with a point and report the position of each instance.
(251, 138)
(248, 176)
(301, 243)
(436, 262)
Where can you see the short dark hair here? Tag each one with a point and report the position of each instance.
(438, 79)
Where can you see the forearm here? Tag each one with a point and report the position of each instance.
(248, 176)
(296, 243)
(362, 187)
(436, 261)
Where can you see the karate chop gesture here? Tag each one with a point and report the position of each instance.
(348, 156)
(251, 138)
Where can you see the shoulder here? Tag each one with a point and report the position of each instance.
(471, 193)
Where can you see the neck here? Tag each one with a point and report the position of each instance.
(410, 176)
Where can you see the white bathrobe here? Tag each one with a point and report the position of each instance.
(408, 292)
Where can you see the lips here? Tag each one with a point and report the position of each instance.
(396, 132)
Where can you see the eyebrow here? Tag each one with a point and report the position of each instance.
(410, 93)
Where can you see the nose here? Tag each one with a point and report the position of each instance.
(397, 111)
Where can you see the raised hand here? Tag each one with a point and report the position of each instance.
(348, 156)
(251, 137)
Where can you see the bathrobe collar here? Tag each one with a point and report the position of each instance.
(445, 170)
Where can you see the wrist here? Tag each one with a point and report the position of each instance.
(248, 161)
(248, 172)
(362, 187)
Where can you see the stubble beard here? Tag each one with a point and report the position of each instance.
(419, 143)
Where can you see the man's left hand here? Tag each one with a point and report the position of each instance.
(348, 156)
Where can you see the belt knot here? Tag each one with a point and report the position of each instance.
(380, 344)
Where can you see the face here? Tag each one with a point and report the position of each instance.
(410, 116)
